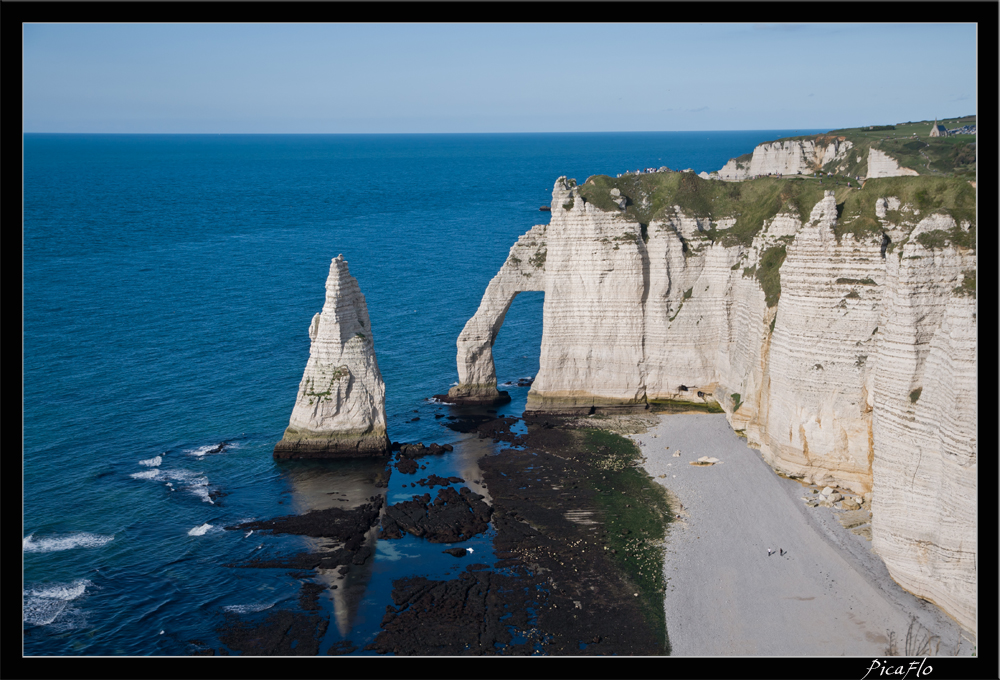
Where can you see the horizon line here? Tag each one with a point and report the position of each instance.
(534, 132)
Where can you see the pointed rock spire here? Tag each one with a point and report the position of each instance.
(340, 408)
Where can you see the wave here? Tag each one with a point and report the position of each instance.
(192, 482)
(61, 591)
(68, 542)
(200, 530)
(212, 448)
(152, 462)
(246, 608)
(438, 401)
(41, 606)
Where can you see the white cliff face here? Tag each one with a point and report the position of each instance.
(799, 157)
(592, 342)
(883, 165)
(817, 424)
(821, 381)
(924, 470)
(340, 407)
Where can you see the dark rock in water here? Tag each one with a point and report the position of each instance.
(395, 446)
(456, 552)
(220, 448)
(281, 633)
(309, 596)
(545, 208)
(453, 516)
(329, 523)
(342, 647)
(413, 420)
(434, 480)
(560, 591)
(438, 415)
(413, 451)
(501, 397)
(525, 382)
(407, 466)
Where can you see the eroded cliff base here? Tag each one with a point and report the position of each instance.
(297, 444)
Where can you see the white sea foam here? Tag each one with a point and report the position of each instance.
(205, 450)
(67, 542)
(61, 591)
(438, 401)
(200, 531)
(40, 611)
(192, 482)
(152, 462)
(246, 608)
(43, 605)
(148, 474)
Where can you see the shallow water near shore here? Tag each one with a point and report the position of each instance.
(169, 281)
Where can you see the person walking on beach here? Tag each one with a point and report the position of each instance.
(769, 552)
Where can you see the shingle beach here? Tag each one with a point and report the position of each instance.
(829, 595)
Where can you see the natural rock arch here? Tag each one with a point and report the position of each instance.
(523, 271)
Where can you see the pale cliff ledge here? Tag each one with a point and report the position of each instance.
(904, 149)
(836, 328)
(340, 408)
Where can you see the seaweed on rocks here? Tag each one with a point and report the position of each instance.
(556, 587)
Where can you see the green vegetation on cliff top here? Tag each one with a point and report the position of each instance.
(753, 203)
(910, 144)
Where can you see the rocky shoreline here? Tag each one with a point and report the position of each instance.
(578, 568)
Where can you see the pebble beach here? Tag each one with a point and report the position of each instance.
(827, 595)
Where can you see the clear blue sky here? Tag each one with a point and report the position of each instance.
(349, 78)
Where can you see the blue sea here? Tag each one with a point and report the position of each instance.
(169, 282)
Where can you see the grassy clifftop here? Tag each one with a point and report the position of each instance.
(752, 203)
(910, 145)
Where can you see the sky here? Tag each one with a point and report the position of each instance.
(504, 77)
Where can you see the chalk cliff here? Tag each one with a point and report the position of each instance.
(826, 153)
(340, 407)
(838, 331)
(881, 164)
(787, 157)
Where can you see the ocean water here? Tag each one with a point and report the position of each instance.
(169, 282)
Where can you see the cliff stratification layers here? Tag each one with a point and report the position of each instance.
(340, 407)
(837, 331)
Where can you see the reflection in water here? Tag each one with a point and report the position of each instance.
(345, 484)
(465, 459)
